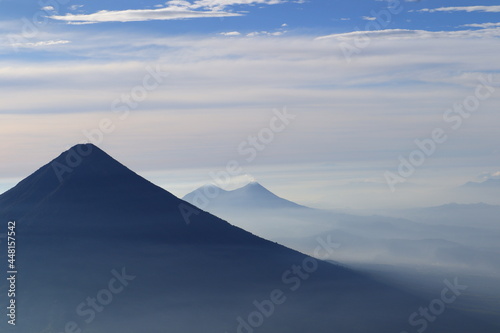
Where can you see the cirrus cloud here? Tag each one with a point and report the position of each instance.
(469, 9)
(482, 25)
(414, 34)
(40, 43)
(175, 10)
(135, 15)
(222, 4)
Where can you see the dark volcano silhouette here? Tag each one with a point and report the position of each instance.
(102, 250)
(97, 195)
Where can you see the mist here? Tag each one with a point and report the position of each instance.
(415, 249)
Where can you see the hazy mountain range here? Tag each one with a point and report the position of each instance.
(414, 248)
(275, 218)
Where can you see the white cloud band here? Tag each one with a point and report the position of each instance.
(469, 9)
(169, 13)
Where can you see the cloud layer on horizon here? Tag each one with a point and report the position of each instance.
(405, 88)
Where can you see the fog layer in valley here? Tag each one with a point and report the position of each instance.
(416, 249)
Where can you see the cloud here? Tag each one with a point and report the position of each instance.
(469, 9)
(75, 7)
(174, 10)
(482, 25)
(41, 43)
(414, 34)
(169, 13)
(223, 92)
(489, 175)
(231, 33)
(375, 33)
(222, 4)
(265, 33)
(369, 18)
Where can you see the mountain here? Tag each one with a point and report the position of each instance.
(365, 238)
(102, 250)
(256, 209)
(98, 195)
(251, 196)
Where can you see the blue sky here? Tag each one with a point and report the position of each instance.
(362, 83)
(28, 26)
(247, 16)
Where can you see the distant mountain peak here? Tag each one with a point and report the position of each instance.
(252, 195)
